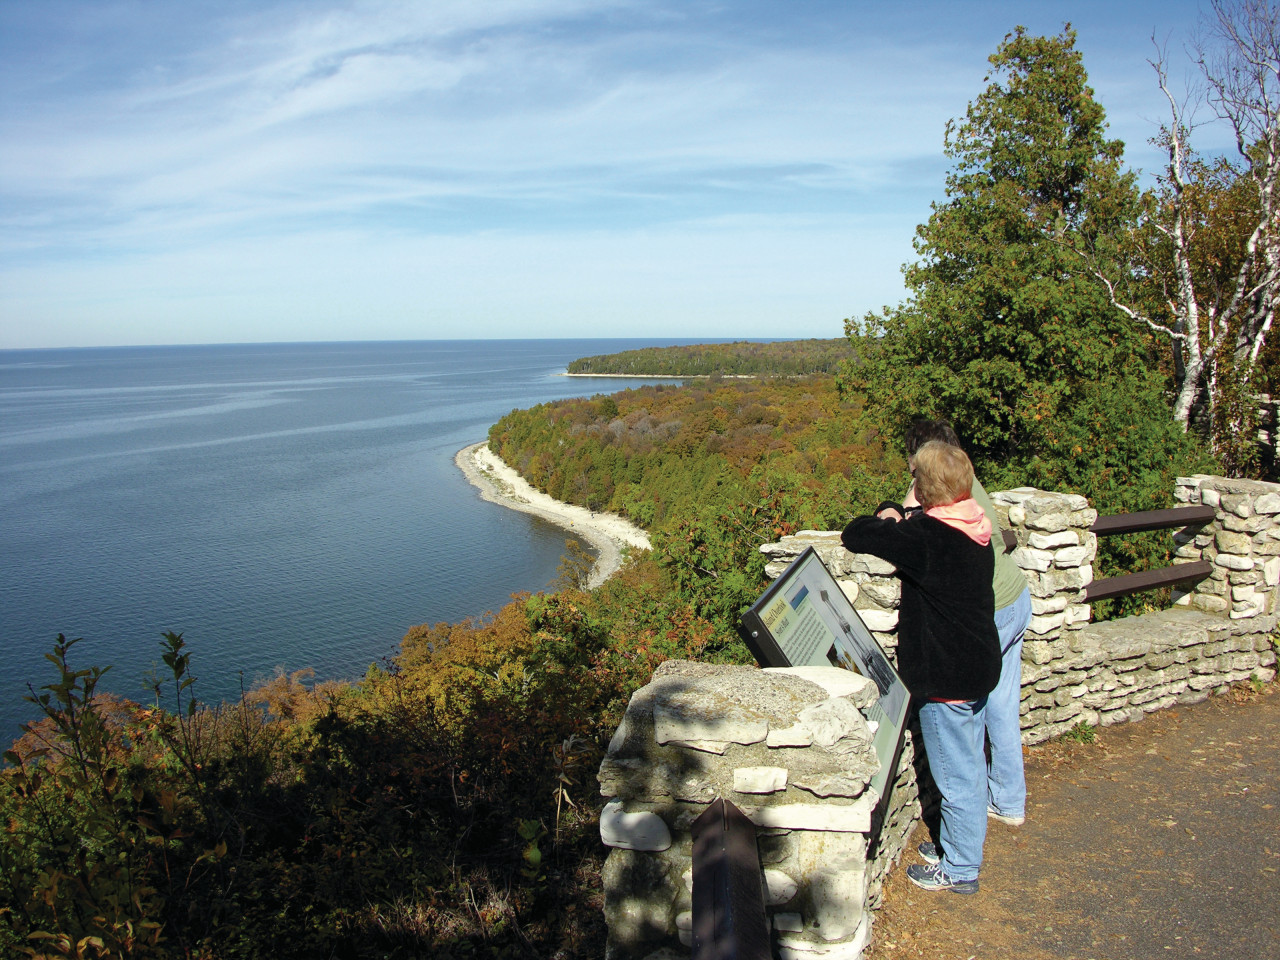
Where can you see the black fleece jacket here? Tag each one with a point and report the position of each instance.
(948, 647)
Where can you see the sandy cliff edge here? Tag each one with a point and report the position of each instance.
(607, 533)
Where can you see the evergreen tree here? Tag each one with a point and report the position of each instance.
(1003, 328)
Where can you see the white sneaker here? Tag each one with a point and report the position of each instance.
(1013, 821)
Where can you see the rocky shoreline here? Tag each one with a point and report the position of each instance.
(608, 534)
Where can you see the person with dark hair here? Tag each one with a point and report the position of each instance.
(1006, 781)
(948, 652)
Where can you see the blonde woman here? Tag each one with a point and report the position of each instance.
(948, 647)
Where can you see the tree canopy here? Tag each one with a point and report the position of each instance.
(1004, 332)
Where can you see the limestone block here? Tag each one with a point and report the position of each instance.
(759, 779)
(1071, 556)
(1078, 613)
(1216, 586)
(836, 681)
(1271, 572)
(1046, 624)
(1210, 604)
(1243, 591)
(1066, 712)
(1229, 541)
(1232, 562)
(883, 593)
(835, 784)
(866, 563)
(796, 735)
(779, 888)
(774, 847)
(1048, 522)
(692, 722)
(1052, 541)
(850, 589)
(788, 922)
(833, 720)
(836, 894)
(1068, 579)
(1210, 497)
(1244, 662)
(1043, 651)
(1030, 559)
(879, 620)
(1268, 504)
(641, 830)
(846, 818)
(1251, 525)
(1238, 504)
(1045, 605)
(639, 898)
(795, 948)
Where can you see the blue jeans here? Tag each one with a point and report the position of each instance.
(1006, 784)
(953, 741)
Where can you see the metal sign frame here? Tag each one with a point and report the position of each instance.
(805, 619)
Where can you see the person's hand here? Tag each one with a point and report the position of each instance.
(889, 513)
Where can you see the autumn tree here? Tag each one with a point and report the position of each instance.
(1207, 249)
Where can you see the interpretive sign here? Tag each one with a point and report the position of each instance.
(804, 619)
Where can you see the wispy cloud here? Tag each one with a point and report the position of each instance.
(157, 154)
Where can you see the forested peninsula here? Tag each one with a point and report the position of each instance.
(446, 804)
(796, 358)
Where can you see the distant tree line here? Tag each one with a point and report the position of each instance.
(791, 358)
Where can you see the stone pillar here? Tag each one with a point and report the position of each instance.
(1242, 542)
(1055, 552)
(792, 749)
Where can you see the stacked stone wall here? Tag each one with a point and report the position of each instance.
(1220, 631)
(784, 746)
(790, 748)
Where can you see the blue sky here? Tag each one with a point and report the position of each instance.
(201, 172)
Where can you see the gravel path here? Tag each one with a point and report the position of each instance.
(1161, 839)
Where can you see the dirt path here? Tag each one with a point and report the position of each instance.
(1160, 839)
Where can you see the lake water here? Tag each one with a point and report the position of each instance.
(284, 505)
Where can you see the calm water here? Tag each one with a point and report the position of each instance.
(289, 505)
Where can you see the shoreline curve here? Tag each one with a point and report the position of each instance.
(608, 534)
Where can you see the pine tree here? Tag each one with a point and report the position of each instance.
(1003, 328)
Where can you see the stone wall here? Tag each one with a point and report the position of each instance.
(1219, 632)
(790, 748)
(792, 751)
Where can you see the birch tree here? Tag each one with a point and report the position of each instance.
(1215, 257)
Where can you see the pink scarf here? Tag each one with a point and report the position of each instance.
(967, 517)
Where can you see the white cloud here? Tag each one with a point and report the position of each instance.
(250, 158)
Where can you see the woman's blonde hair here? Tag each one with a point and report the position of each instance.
(943, 474)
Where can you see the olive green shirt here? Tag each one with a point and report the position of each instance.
(1008, 581)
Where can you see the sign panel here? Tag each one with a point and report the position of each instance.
(804, 619)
